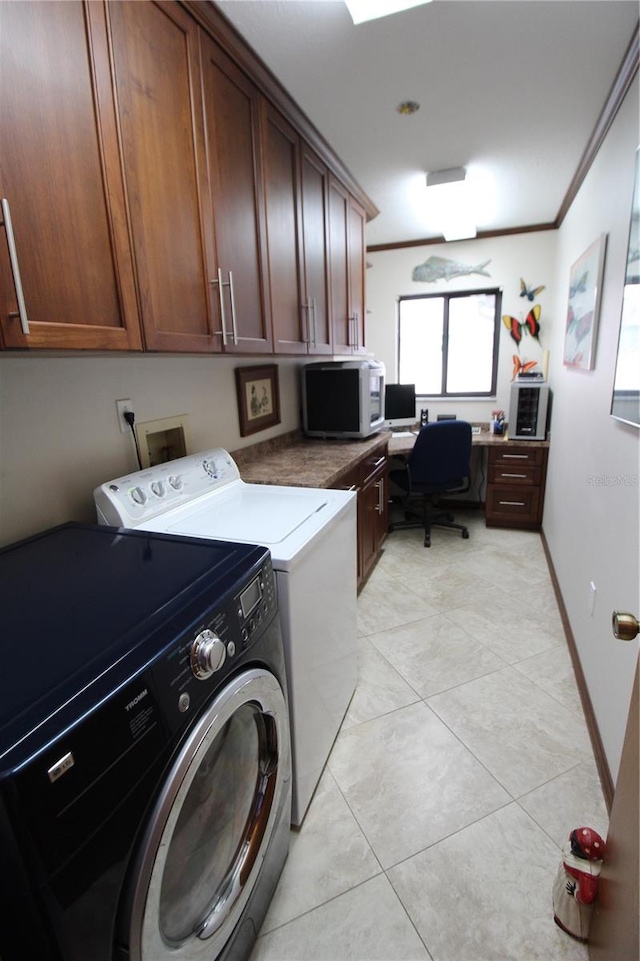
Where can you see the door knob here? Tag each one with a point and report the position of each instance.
(624, 625)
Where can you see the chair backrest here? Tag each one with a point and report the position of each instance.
(441, 453)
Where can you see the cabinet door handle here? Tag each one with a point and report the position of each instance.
(313, 322)
(234, 328)
(351, 336)
(15, 268)
(380, 505)
(307, 336)
(223, 324)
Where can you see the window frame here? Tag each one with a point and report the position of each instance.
(447, 296)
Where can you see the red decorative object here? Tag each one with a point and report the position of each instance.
(576, 884)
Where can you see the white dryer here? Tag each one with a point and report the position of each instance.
(311, 534)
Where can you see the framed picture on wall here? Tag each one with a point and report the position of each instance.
(625, 402)
(585, 288)
(258, 398)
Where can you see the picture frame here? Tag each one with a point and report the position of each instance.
(258, 398)
(625, 400)
(583, 310)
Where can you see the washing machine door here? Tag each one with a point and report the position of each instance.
(210, 828)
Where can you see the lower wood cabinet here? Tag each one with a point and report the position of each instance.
(515, 486)
(370, 480)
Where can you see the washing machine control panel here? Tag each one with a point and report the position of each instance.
(212, 648)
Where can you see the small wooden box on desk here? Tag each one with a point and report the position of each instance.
(515, 484)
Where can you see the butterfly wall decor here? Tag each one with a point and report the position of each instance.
(529, 292)
(531, 324)
(522, 367)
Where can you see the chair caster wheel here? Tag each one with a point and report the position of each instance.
(465, 535)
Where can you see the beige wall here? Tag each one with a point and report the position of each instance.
(592, 505)
(59, 436)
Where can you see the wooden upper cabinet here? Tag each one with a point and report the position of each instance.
(341, 323)
(232, 132)
(157, 71)
(281, 176)
(346, 230)
(315, 235)
(356, 246)
(60, 174)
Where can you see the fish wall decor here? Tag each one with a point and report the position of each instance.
(441, 268)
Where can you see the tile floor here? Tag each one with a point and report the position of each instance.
(462, 765)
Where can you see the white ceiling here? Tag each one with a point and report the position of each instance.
(511, 89)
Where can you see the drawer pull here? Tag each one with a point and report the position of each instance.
(379, 461)
(512, 503)
(512, 475)
(516, 456)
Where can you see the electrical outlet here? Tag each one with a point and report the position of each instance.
(121, 407)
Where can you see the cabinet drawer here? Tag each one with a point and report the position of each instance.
(516, 457)
(520, 505)
(348, 481)
(372, 465)
(515, 474)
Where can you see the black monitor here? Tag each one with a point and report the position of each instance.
(400, 405)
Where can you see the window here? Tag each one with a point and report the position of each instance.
(448, 343)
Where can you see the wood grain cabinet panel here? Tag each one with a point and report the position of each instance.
(515, 486)
(346, 231)
(156, 57)
(295, 182)
(283, 216)
(315, 238)
(373, 520)
(370, 480)
(60, 172)
(356, 252)
(232, 130)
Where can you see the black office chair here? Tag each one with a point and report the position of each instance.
(438, 464)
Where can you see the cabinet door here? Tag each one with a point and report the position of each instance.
(282, 200)
(356, 251)
(60, 173)
(232, 130)
(341, 325)
(315, 233)
(155, 50)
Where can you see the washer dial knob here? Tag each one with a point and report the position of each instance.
(207, 654)
(138, 496)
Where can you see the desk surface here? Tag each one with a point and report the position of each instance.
(402, 445)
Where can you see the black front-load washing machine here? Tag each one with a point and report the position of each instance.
(145, 773)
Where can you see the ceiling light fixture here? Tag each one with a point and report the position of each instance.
(362, 10)
(450, 203)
